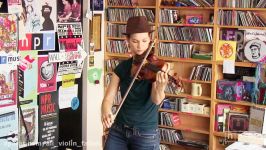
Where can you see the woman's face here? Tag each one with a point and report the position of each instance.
(139, 43)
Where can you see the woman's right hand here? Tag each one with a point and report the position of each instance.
(107, 119)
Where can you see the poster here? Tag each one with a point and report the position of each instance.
(27, 76)
(8, 34)
(255, 45)
(69, 36)
(8, 86)
(69, 67)
(68, 11)
(48, 120)
(40, 15)
(28, 124)
(46, 75)
(9, 129)
(14, 6)
(226, 50)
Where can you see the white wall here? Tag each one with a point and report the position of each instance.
(92, 130)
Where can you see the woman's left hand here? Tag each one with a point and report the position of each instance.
(162, 77)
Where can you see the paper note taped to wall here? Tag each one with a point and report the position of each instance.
(66, 95)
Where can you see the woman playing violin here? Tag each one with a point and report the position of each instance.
(136, 124)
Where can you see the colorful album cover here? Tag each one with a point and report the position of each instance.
(69, 36)
(48, 120)
(68, 11)
(27, 76)
(28, 127)
(9, 128)
(46, 75)
(226, 50)
(8, 86)
(8, 34)
(69, 67)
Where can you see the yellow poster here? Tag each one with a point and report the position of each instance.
(226, 50)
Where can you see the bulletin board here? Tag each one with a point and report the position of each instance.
(41, 61)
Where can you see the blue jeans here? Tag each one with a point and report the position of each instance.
(121, 137)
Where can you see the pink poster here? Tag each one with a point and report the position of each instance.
(46, 75)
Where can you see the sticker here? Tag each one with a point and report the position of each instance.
(75, 103)
(68, 80)
(94, 75)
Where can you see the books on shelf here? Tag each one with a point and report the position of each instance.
(117, 46)
(115, 30)
(201, 72)
(242, 3)
(240, 18)
(257, 121)
(110, 64)
(122, 14)
(170, 135)
(175, 50)
(195, 3)
(185, 34)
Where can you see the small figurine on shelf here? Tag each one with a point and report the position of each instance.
(176, 3)
(211, 18)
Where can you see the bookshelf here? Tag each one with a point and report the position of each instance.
(194, 127)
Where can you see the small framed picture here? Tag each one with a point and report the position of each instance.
(194, 19)
(96, 5)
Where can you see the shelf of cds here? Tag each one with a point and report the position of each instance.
(191, 35)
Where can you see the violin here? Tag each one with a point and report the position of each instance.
(152, 64)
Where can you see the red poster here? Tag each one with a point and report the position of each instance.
(46, 75)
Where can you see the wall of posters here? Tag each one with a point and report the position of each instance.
(29, 83)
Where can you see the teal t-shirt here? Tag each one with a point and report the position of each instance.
(138, 110)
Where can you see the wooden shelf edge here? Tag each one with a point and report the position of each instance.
(189, 7)
(244, 103)
(228, 135)
(187, 25)
(240, 64)
(117, 55)
(186, 42)
(245, 9)
(189, 96)
(186, 128)
(189, 60)
(184, 113)
(242, 27)
(133, 7)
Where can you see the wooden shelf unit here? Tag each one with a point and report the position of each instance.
(184, 66)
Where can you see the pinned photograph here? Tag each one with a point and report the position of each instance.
(68, 11)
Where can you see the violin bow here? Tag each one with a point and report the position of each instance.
(135, 77)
